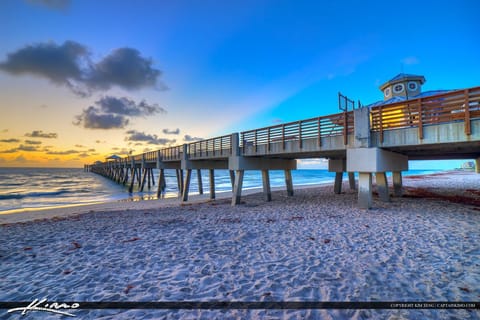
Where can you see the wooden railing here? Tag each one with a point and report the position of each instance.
(211, 148)
(340, 124)
(138, 157)
(171, 153)
(460, 105)
(167, 154)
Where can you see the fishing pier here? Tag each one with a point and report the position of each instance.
(366, 140)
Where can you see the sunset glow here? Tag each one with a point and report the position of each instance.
(81, 80)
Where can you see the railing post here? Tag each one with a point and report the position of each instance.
(380, 123)
(300, 142)
(255, 141)
(319, 128)
(467, 113)
(268, 138)
(221, 146)
(235, 144)
(420, 119)
(345, 128)
(283, 136)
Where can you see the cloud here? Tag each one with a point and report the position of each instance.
(53, 4)
(168, 131)
(9, 140)
(70, 64)
(66, 152)
(27, 148)
(148, 138)
(21, 148)
(83, 155)
(59, 64)
(21, 158)
(126, 68)
(127, 107)
(125, 151)
(189, 138)
(91, 150)
(41, 134)
(312, 163)
(33, 142)
(9, 150)
(92, 118)
(4, 130)
(113, 113)
(410, 60)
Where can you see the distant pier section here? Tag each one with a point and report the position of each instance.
(368, 140)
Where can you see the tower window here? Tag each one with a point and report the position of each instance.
(398, 88)
(412, 86)
(387, 92)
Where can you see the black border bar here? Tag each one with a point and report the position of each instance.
(272, 305)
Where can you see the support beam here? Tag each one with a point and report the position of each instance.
(186, 185)
(177, 173)
(397, 183)
(182, 185)
(139, 177)
(161, 184)
(145, 174)
(149, 183)
(289, 182)
(382, 186)
(339, 166)
(365, 190)
(477, 165)
(232, 178)
(237, 188)
(337, 188)
(125, 178)
(200, 184)
(351, 180)
(266, 185)
(212, 184)
(130, 189)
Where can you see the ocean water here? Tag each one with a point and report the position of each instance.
(31, 188)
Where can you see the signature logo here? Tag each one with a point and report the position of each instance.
(45, 306)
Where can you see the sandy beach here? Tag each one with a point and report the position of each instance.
(315, 246)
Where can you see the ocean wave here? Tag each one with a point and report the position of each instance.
(32, 194)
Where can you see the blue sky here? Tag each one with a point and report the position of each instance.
(217, 67)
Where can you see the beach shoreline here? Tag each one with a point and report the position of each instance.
(314, 246)
(135, 203)
(139, 203)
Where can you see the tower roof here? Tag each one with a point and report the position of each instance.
(403, 77)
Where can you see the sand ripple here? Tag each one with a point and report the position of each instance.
(316, 246)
